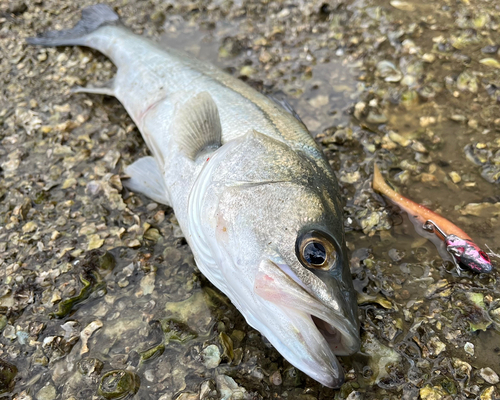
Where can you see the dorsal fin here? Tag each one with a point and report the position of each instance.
(197, 126)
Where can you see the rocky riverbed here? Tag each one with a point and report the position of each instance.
(100, 297)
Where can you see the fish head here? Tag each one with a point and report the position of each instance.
(468, 254)
(280, 241)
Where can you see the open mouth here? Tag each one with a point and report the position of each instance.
(310, 333)
(282, 289)
(331, 335)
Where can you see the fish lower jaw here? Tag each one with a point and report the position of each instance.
(340, 344)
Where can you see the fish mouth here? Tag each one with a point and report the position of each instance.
(323, 331)
(334, 338)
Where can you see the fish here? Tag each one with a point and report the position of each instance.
(254, 195)
(451, 241)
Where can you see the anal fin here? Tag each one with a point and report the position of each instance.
(197, 126)
(146, 178)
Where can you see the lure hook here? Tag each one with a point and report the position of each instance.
(431, 226)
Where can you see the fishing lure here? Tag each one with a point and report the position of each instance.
(465, 253)
(458, 246)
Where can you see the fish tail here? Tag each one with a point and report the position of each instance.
(379, 184)
(93, 17)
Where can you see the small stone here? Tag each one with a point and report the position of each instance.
(402, 5)
(374, 118)
(70, 182)
(428, 178)
(133, 243)
(418, 147)
(490, 49)
(396, 255)
(432, 393)
(359, 108)
(458, 118)
(455, 177)
(9, 332)
(87, 333)
(426, 121)
(397, 138)
(265, 57)
(247, 70)
(488, 394)
(211, 356)
(489, 375)
(436, 345)
(30, 227)
(469, 348)
(490, 62)
(473, 123)
(48, 392)
(95, 242)
(350, 177)
(319, 101)
(429, 58)
(275, 378)
(148, 283)
(229, 389)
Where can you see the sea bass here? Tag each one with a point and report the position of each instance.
(451, 241)
(254, 196)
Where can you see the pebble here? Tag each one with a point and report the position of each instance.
(397, 138)
(455, 177)
(87, 333)
(211, 356)
(429, 58)
(469, 348)
(489, 375)
(275, 378)
(319, 101)
(48, 392)
(374, 118)
(229, 389)
(30, 227)
(9, 332)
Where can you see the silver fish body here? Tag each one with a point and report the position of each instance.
(253, 193)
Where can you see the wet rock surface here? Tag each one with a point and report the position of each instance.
(99, 293)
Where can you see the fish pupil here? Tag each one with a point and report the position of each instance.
(315, 253)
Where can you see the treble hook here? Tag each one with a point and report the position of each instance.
(431, 226)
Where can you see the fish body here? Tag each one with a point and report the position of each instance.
(451, 241)
(253, 194)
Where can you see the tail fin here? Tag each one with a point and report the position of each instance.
(93, 17)
(379, 184)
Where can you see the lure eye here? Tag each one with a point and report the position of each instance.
(316, 250)
(485, 256)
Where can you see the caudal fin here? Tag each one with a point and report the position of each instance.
(93, 17)
(378, 183)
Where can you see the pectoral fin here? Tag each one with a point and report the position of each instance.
(146, 178)
(106, 89)
(197, 126)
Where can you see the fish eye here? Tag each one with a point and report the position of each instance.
(316, 250)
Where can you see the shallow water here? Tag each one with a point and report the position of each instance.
(426, 331)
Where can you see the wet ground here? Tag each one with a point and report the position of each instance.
(99, 294)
